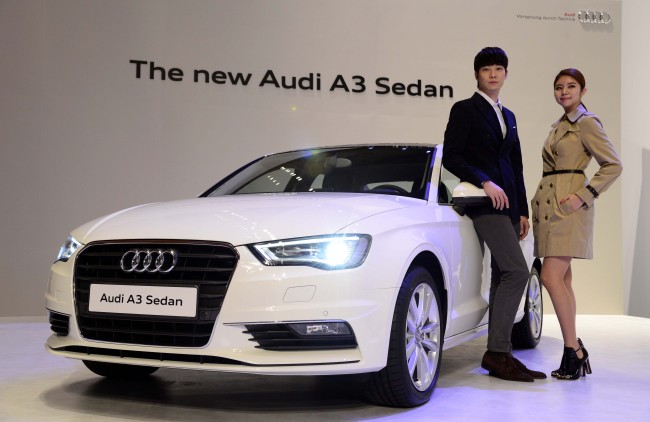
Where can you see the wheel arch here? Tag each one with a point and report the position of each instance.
(430, 262)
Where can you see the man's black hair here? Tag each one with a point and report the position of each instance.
(490, 56)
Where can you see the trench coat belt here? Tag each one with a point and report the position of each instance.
(565, 171)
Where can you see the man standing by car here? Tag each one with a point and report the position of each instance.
(481, 146)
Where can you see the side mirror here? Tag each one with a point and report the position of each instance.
(466, 195)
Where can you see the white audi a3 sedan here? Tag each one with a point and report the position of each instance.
(326, 261)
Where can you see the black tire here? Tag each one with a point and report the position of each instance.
(118, 370)
(527, 332)
(414, 341)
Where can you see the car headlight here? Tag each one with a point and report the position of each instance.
(326, 252)
(69, 247)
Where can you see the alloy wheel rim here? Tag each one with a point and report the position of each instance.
(535, 306)
(422, 337)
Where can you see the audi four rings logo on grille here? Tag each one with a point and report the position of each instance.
(591, 16)
(149, 260)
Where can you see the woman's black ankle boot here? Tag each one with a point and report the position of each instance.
(574, 366)
(582, 346)
(560, 370)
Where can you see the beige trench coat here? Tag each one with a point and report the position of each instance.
(573, 140)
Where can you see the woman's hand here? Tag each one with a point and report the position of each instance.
(574, 201)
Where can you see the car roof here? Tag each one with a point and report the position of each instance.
(364, 145)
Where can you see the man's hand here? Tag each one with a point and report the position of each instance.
(523, 227)
(496, 194)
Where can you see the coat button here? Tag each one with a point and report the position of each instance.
(536, 202)
(548, 201)
(556, 152)
(546, 217)
(540, 186)
(551, 185)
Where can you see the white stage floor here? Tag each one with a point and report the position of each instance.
(36, 386)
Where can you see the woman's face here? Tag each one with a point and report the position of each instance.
(568, 93)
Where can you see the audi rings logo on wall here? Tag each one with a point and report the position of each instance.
(149, 260)
(592, 16)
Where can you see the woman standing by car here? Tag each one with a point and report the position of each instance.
(563, 207)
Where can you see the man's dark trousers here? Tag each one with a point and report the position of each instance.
(509, 276)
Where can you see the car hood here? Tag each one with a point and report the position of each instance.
(241, 219)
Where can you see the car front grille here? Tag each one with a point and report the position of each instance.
(208, 266)
(153, 356)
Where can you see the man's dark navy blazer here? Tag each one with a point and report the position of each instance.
(476, 151)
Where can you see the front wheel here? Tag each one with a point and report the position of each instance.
(527, 332)
(119, 370)
(415, 347)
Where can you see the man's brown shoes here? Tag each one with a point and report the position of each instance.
(507, 367)
(535, 374)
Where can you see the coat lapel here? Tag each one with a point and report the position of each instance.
(489, 115)
(568, 123)
(561, 129)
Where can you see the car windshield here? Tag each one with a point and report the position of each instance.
(390, 170)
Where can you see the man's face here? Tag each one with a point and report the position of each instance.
(491, 78)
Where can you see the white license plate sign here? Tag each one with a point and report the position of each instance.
(143, 300)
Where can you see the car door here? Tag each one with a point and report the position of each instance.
(470, 264)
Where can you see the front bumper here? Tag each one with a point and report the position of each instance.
(257, 295)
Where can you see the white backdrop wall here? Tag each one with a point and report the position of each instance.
(636, 157)
(83, 135)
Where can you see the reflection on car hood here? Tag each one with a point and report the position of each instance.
(241, 219)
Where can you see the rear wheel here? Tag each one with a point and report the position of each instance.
(527, 332)
(118, 370)
(415, 347)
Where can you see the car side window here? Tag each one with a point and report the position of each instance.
(317, 184)
(448, 181)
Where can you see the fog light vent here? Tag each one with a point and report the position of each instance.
(59, 323)
(321, 329)
(310, 335)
